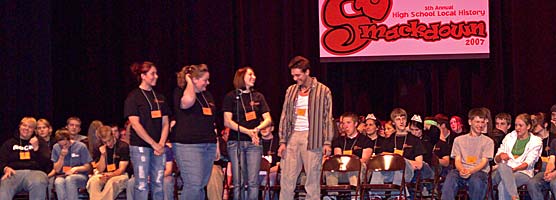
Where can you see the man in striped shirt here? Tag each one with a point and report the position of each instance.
(306, 130)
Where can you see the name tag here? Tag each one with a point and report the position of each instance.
(250, 116)
(66, 169)
(95, 164)
(156, 114)
(111, 167)
(74, 155)
(24, 155)
(471, 159)
(348, 152)
(207, 111)
(544, 159)
(268, 158)
(399, 152)
(301, 111)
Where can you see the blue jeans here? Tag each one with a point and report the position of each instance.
(34, 181)
(250, 157)
(145, 165)
(476, 183)
(195, 163)
(508, 181)
(67, 186)
(537, 184)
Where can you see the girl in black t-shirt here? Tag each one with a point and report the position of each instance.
(246, 112)
(148, 113)
(194, 145)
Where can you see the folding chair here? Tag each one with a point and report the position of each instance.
(265, 170)
(341, 164)
(384, 163)
(419, 183)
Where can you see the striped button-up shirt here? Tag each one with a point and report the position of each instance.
(321, 129)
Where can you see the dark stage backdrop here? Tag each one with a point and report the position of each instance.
(64, 58)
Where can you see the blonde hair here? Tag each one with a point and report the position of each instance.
(30, 120)
(104, 132)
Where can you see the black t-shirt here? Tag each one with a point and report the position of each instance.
(444, 148)
(553, 148)
(376, 145)
(121, 154)
(137, 105)
(356, 144)
(428, 145)
(546, 144)
(192, 126)
(247, 103)
(411, 148)
(270, 147)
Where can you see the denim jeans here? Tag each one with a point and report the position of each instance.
(145, 165)
(250, 160)
(67, 186)
(508, 181)
(195, 163)
(34, 181)
(169, 187)
(537, 184)
(476, 183)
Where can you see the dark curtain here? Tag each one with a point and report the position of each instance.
(64, 58)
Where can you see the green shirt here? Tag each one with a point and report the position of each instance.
(519, 146)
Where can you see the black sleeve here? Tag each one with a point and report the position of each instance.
(228, 103)
(96, 154)
(336, 143)
(366, 143)
(130, 106)
(3, 157)
(553, 148)
(263, 105)
(123, 150)
(43, 156)
(164, 108)
(178, 93)
(418, 148)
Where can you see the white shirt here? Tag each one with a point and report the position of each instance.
(301, 121)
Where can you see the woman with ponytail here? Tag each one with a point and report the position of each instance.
(148, 113)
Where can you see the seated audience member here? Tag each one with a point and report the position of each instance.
(71, 164)
(93, 142)
(539, 127)
(74, 127)
(430, 128)
(169, 172)
(215, 186)
(516, 158)
(23, 159)
(442, 149)
(270, 142)
(456, 124)
(402, 143)
(372, 126)
(44, 131)
(471, 152)
(112, 159)
(487, 130)
(115, 131)
(416, 129)
(353, 143)
(503, 122)
(544, 179)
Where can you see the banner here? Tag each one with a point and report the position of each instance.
(358, 30)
